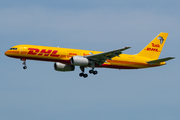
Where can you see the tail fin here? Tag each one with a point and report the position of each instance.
(154, 48)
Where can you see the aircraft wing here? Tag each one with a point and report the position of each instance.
(102, 57)
(160, 60)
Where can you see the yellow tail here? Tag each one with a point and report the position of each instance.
(154, 48)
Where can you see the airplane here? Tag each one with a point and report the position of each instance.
(66, 59)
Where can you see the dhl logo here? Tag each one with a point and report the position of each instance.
(152, 49)
(47, 52)
(43, 52)
(155, 45)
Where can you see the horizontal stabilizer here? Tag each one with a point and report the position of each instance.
(160, 60)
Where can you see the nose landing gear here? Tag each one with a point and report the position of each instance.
(24, 63)
(24, 67)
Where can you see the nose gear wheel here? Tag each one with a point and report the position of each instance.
(24, 63)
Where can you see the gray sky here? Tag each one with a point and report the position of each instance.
(42, 93)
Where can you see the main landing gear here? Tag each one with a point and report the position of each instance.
(82, 74)
(92, 71)
(24, 63)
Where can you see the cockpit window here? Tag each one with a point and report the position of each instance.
(13, 49)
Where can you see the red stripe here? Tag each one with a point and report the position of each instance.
(68, 62)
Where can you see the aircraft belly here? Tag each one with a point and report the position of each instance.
(118, 64)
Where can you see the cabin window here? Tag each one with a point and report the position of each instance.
(13, 49)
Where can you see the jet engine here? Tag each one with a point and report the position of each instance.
(79, 61)
(63, 67)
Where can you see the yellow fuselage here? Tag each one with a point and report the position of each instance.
(63, 55)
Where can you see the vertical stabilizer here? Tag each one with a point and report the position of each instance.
(154, 48)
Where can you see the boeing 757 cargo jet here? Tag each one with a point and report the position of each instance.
(66, 59)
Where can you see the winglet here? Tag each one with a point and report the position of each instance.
(124, 48)
(127, 47)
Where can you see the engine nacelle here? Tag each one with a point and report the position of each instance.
(63, 67)
(79, 61)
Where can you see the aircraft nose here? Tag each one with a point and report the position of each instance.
(6, 53)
